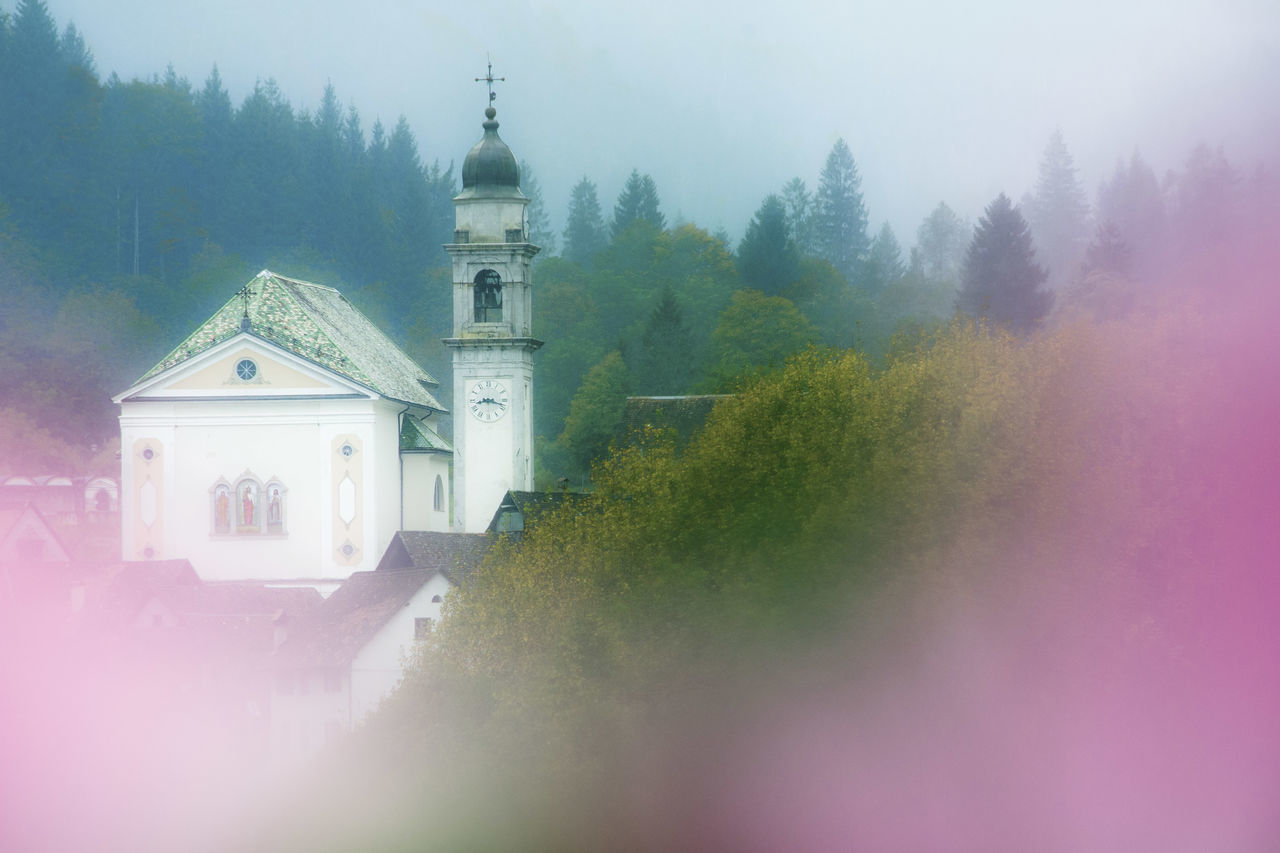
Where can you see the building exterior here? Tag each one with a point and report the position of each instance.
(284, 441)
(492, 339)
(338, 663)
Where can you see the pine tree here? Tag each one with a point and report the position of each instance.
(666, 360)
(1108, 252)
(1058, 212)
(767, 258)
(540, 233)
(941, 239)
(1001, 280)
(884, 261)
(799, 204)
(840, 217)
(637, 201)
(1132, 200)
(584, 230)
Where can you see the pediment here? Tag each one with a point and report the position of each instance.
(245, 367)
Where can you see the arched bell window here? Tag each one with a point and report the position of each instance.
(437, 499)
(488, 297)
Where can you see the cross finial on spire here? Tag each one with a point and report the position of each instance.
(490, 80)
(245, 293)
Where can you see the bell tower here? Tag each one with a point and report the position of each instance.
(492, 343)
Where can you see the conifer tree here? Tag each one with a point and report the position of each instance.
(942, 239)
(884, 261)
(767, 258)
(799, 204)
(665, 363)
(1001, 279)
(840, 217)
(584, 234)
(540, 233)
(1058, 212)
(638, 201)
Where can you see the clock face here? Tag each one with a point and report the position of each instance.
(488, 400)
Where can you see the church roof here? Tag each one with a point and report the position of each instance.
(416, 435)
(490, 169)
(519, 510)
(316, 323)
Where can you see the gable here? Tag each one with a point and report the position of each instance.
(276, 373)
(26, 538)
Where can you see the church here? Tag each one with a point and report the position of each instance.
(287, 439)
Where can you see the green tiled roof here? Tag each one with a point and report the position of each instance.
(415, 435)
(316, 323)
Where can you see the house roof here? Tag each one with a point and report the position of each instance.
(686, 415)
(531, 506)
(454, 555)
(316, 323)
(416, 435)
(336, 632)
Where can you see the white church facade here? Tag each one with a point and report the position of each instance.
(288, 439)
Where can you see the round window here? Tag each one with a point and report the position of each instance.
(246, 369)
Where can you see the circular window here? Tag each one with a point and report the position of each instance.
(148, 454)
(348, 549)
(246, 369)
(148, 552)
(347, 450)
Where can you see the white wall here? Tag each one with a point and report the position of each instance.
(379, 667)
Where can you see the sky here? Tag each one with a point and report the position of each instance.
(723, 102)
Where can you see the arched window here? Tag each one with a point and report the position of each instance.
(488, 297)
(437, 501)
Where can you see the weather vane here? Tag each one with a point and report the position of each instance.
(490, 79)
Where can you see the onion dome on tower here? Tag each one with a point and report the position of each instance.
(490, 168)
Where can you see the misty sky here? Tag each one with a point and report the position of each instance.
(723, 102)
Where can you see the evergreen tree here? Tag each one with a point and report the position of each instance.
(637, 201)
(1133, 201)
(1001, 280)
(540, 233)
(1108, 252)
(1058, 212)
(767, 258)
(584, 234)
(666, 361)
(799, 204)
(941, 240)
(840, 217)
(884, 261)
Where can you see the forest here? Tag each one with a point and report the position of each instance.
(979, 511)
(131, 210)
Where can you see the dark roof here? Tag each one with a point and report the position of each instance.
(454, 555)
(686, 415)
(336, 631)
(531, 506)
(490, 165)
(316, 323)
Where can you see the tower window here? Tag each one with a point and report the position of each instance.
(437, 500)
(488, 297)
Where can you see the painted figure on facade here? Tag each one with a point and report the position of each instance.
(222, 510)
(274, 514)
(247, 506)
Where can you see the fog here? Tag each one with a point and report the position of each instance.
(724, 102)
